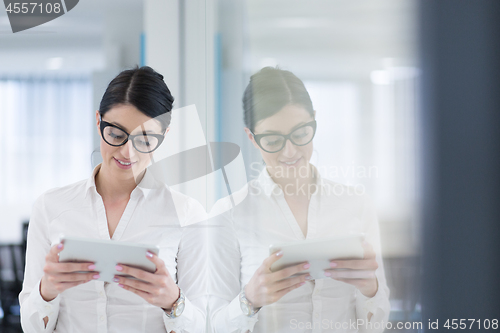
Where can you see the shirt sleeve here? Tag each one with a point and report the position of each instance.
(189, 321)
(226, 315)
(378, 305)
(191, 275)
(33, 307)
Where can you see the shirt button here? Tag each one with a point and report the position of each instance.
(101, 318)
(47, 307)
(316, 315)
(101, 294)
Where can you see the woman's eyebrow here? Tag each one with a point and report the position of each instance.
(117, 125)
(147, 132)
(123, 128)
(293, 129)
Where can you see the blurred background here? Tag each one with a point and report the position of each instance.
(360, 60)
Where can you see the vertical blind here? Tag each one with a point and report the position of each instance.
(45, 135)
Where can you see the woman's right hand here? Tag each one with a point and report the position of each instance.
(266, 287)
(61, 276)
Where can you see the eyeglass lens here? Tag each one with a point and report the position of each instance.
(299, 137)
(143, 143)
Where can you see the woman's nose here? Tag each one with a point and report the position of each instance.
(127, 150)
(289, 150)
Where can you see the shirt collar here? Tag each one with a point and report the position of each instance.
(267, 183)
(91, 181)
(270, 187)
(145, 186)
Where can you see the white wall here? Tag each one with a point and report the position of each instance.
(180, 45)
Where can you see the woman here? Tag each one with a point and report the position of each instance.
(120, 201)
(290, 202)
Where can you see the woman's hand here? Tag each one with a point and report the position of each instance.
(156, 288)
(266, 287)
(61, 276)
(358, 272)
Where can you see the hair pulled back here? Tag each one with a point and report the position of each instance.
(269, 91)
(143, 88)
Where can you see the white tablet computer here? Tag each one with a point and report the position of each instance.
(318, 252)
(106, 254)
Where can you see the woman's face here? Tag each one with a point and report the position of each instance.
(125, 161)
(292, 159)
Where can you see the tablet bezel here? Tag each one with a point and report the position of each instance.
(318, 252)
(106, 254)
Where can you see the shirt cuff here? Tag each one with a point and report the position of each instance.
(42, 308)
(186, 322)
(376, 305)
(238, 319)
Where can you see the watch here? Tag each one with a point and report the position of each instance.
(246, 306)
(177, 307)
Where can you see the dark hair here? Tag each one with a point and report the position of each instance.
(143, 88)
(269, 91)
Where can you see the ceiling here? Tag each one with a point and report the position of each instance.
(76, 37)
(314, 38)
(339, 38)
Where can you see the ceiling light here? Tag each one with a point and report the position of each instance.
(54, 63)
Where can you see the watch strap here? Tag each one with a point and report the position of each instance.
(246, 306)
(177, 306)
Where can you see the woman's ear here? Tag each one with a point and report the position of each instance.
(168, 129)
(250, 137)
(98, 121)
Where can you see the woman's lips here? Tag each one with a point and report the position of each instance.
(291, 163)
(123, 164)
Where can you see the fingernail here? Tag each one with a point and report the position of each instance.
(306, 266)
(95, 277)
(119, 268)
(91, 267)
(333, 264)
(116, 279)
(279, 254)
(120, 285)
(60, 246)
(328, 274)
(309, 277)
(302, 283)
(149, 254)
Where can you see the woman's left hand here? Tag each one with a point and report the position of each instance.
(358, 272)
(156, 288)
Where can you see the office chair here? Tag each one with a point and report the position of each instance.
(12, 257)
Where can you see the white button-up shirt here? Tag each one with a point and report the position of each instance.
(149, 218)
(242, 238)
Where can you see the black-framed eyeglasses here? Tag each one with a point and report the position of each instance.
(116, 136)
(273, 143)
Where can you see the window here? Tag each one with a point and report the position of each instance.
(45, 140)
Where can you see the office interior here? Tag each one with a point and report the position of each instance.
(363, 62)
